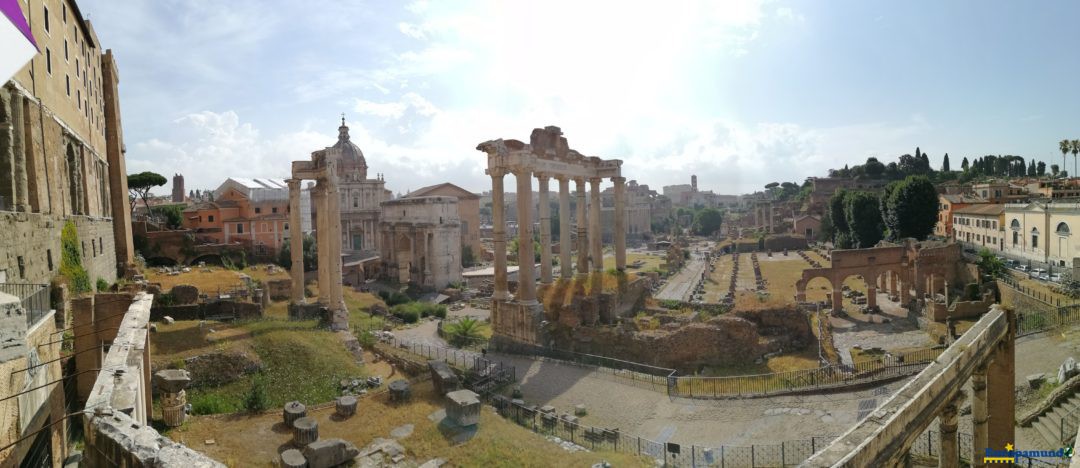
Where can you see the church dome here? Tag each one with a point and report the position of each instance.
(350, 153)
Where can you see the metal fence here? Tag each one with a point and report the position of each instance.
(34, 298)
(929, 445)
(1033, 320)
(654, 377)
(887, 367)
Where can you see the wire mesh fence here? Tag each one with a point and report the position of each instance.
(34, 297)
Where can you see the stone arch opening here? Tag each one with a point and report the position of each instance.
(404, 254)
(817, 289)
(210, 259)
(161, 261)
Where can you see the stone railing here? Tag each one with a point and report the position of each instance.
(116, 416)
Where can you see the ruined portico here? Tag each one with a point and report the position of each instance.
(546, 157)
(322, 168)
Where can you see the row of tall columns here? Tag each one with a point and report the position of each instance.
(296, 242)
(589, 232)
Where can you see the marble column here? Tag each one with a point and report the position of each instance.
(582, 230)
(566, 269)
(296, 242)
(596, 246)
(1000, 396)
(18, 153)
(322, 229)
(526, 292)
(620, 223)
(947, 424)
(545, 230)
(979, 414)
(333, 199)
(498, 232)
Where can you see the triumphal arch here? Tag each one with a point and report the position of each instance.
(546, 157)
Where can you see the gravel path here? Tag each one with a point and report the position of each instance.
(680, 286)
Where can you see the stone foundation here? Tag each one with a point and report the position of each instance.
(518, 322)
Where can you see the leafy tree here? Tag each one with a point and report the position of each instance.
(1054, 169)
(873, 168)
(1032, 171)
(256, 399)
(1040, 169)
(892, 171)
(708, 221)
(912, 208)
(173, 214)
(311, 254)
(467, 256)
(1070, 285)
(990, 265)
(139, 186)
(964, 164)
(1064, 146)
(836, 211)
(514, 247)
(864, 219)
(1075, 148)
(945, 163)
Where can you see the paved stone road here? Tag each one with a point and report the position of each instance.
(680, 286)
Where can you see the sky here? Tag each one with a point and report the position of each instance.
(740, 93)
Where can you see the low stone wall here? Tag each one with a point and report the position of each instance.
(938, 312)
(203, 311)
(115, 421)
(778, 243)
(280, 289)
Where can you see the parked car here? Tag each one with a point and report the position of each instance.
(1037, 272)
(1056, 277)
(1023, 268)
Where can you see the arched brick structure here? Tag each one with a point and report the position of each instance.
(925, 267)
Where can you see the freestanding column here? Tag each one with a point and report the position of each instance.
(947, 423)
(296, 242)
(526, 293)
(333, 203)
(545, 230)
(1000, 397)
(321, 242)
(566, 269)
(979, 414)
(498, 231)
(620, 223)
(582, 236)
(596, 247)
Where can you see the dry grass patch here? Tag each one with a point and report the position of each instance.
(216, 278)
(256, 440)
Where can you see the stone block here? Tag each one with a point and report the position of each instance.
(345, 406)
(444, 378)
(463, 407)
(293, 410)
(1067, 369)
(399, 390)
(580, 410)
(1036, 380)
(172, 380)
(329, 452)
(184, 294)
(305, 431)
(292, 458)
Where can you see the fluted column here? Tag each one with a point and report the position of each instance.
(526, 292)
(948, 421)
(566, 269)
(620, 223)
(596, 246)
(979, 414)
(498, 232)
(296, 242)
(321, 240)
(582, 236)
(545, 230)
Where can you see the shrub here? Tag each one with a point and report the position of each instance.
(464, 332)
(405, 313)
(394, 298)
(164, 300)
(365, 338)
(670, 304)
(71, 260)
(102, 285)
(256, 399)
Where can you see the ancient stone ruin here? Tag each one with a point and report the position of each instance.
(171, 383)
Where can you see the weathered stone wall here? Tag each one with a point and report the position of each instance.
(279, 289)
(116, 429)
(20, 347)
(35, 238)
(938, 312)
(238, 310)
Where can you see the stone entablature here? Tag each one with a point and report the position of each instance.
(547, 156)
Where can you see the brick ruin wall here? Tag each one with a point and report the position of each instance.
(35, 237)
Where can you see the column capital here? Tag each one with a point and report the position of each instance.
(496, 172)
(619, 180)
(293, 183)
(596, 180)
(542, 176)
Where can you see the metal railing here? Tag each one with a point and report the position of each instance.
(1069, 424)
(654, 377)
(34, 297)
(1035, 320)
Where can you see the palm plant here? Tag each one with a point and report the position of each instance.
(1075, 149)
(1065, 146)
(465, 331)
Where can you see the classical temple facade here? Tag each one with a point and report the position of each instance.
(547, 156)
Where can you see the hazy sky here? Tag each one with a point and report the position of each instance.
(739, 93)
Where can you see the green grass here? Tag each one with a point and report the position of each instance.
(300, 362)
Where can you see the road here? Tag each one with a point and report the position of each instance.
(680, 286)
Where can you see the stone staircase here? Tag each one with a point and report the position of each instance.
(1048, 425)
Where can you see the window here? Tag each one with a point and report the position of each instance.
(1015, 224)
(48, 258)
(76, 67)
(46, 19)
(65, 50)
(67, 83)
(258, 210)
(1034, 238)
(262, 227)
(210, 218)
(286, 226)
(48, 60)
(239, 228)
(273, 209)
(1062, 229)
(1016, 236)
(64, 12)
